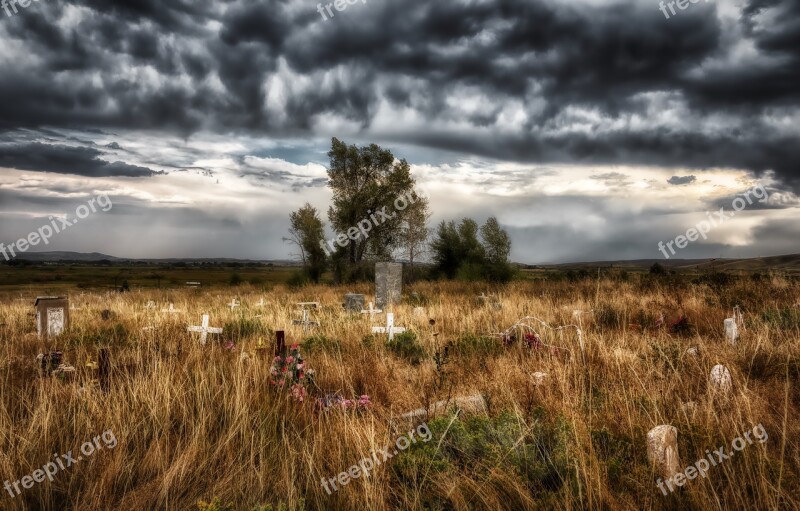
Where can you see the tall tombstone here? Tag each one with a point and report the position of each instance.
(353, 302)
(52, 315)
(388, 283)
(280, 343)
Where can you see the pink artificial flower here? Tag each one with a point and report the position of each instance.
(289, 360)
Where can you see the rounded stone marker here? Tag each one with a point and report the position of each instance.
(662, 450)
(720, 379)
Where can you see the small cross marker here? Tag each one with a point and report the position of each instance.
(204, 330)
(233, 304)
(171, 310)
(389, 328)
(371, 311)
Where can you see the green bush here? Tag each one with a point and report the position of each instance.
(405, 346)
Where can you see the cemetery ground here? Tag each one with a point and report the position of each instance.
(554, 421)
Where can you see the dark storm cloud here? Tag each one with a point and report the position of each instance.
(82, 161)
(681, 180)
(184, 66)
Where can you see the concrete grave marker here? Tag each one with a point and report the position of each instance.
(388, 283)
(662, 450)
(52, 315)
(204, 330)
(389, 328)
(353, 302)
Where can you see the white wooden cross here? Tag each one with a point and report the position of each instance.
(171, 310)
(204, 330)
(312, 305)
(233, 304)
(261, 303)
(371, 311)
(389, 328)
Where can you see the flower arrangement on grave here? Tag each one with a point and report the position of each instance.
(288, 372)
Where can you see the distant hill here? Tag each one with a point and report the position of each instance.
(96, 257)
(782, 262)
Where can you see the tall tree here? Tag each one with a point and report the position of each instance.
(415, 232)
(367, 183)
(307, 232)
(497, 247)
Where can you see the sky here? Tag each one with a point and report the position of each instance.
(592, 129)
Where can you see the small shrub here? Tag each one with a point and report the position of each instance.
(215, 505)
(321, 343)
(405, 346)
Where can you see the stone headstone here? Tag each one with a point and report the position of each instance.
(388, 283)
(52, 315)
(280, 343)
(720, 379)
(353, 302)
(662, 450)
(731, 331)
(474, 404)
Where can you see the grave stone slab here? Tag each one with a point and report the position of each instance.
(388, 283)
(353, 302)
(52, 315)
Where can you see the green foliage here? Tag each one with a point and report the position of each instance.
(367, 181)
(215, 505)
(298, 279)
(477, 346)
(406, 346)
(235, 279)
(457, 251)
(619, 453)
(320, 342)
(307, 232)
(479, 445)
(658, 269)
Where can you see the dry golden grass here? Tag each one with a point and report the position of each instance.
(197, 422)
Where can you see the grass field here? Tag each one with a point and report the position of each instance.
(197, 424)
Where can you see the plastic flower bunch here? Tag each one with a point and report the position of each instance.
(288, 371)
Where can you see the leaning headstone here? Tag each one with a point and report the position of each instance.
(662, 450)
(388, 283)
(720, 379)
(353, 302)
(52, 315)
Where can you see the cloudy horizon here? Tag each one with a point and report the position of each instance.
(592, 130)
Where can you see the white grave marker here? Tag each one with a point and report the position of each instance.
(204, 330)
(662, 450)
(261, 303)
(305, 321)
(233, 304)
(720, 379)
(389, 328)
